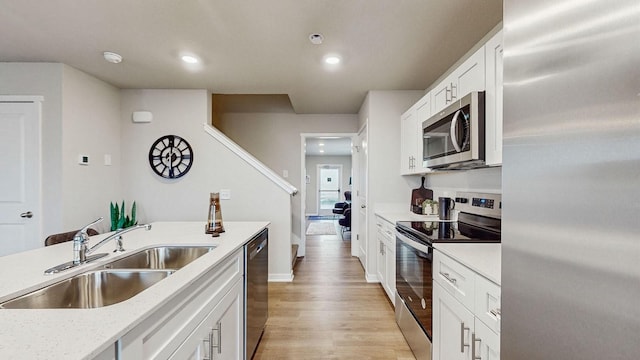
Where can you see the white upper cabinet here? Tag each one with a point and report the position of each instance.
(493, 100)
(408, 140)
(411, 136)
(468, 77)
(482, 71)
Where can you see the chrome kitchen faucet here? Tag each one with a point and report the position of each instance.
(80, 250)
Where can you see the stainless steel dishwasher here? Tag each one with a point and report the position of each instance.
(256, 269)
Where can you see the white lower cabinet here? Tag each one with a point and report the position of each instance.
(487, 342)
(452, 326)
(219, 335)
(386, 257)
(464, 327)
(207, 314)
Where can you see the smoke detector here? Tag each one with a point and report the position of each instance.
(112, 57)
(316, 39)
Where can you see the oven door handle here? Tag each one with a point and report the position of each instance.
(427, 249)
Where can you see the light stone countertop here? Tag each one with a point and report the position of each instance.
(483, 258)
(84, 333)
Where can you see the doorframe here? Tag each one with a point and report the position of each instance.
(303, 183)
(340, 189)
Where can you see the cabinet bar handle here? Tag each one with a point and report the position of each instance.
(219, 345)
(449, 278)
(209, 340)
(475, 339)
(462, 344)
(495, 312)
(453, 96)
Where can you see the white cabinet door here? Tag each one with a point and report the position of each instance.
(411, 136)
(486, 342)
(408, 139)
(221, 334)
(441, 95)
(381, 260)
(423, 112)
(390, 287)
(493, 100)
(470, 76)
(453, 325)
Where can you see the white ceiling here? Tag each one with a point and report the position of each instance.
(252, 46)
(324, 146)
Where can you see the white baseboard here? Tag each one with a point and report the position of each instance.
(281, 277)
(371, 278)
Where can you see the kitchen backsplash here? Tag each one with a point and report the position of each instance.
(487, 180)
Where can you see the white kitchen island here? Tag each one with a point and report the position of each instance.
(96, 333)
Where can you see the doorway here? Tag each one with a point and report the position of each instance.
(20, 202)
(329, 187)
(322, 155)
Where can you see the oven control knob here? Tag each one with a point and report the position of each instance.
(423, 303)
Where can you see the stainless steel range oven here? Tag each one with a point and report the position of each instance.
(414, 261)
(478, 221)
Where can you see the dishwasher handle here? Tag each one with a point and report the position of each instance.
(258, 249)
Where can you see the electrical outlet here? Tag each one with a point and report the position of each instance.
(225, 194)
(285, 174)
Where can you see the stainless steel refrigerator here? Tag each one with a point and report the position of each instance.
(571, 180)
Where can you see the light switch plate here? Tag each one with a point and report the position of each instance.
(225, 194)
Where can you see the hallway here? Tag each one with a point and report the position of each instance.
(329, 311)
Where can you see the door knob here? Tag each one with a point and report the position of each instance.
(363, 206)
(27, 214)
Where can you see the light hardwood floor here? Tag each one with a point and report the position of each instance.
(329, 311)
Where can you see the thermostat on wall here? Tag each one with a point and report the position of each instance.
(83, 159)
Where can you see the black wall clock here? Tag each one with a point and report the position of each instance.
(171, 156)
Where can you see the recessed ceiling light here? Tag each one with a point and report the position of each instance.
(332, 60)
(112, 57)
(321, 144)
(321, 150)
(189, 59)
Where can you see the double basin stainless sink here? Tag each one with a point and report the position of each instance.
(114, 282)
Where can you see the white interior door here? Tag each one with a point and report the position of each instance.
(329, 180)
(20, 215)
(361, 194)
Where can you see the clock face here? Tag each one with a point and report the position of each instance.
(171, 156)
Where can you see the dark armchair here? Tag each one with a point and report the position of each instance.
(345, 220)
(339, 207)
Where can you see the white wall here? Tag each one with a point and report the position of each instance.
(311, 163)
(274, 139)
(43, 79)
(384, 182)
(91, 126)
(80, 114)
(253, 196)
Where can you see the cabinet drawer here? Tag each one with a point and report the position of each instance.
(456, 278)
(487, 306)
(385, 229)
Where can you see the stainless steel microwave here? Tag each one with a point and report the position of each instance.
(454, 137)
